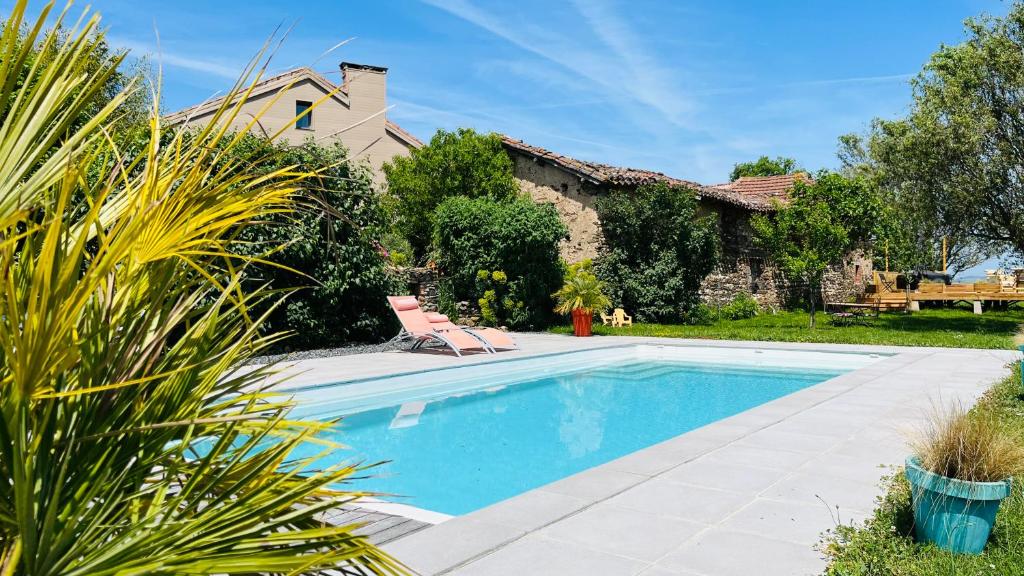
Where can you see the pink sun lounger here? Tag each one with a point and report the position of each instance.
(494, 338)
(415, 326)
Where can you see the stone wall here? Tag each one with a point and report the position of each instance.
(846, 281)
(423, 285)
(762, 280)
(751, 276)
(573, 198)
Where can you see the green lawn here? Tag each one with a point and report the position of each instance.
(884, 545)
(955, 327)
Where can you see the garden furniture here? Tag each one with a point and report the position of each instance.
(492, 337)
(621, 318)
(415, 326)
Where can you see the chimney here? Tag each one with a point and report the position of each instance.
(366, 87)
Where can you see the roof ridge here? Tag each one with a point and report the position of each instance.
(600, 173)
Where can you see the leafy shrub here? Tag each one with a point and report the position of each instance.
(497, 304)
(656, 250)
(742, 306)
(462, 163)
(700, 315)
(398, 249)
(341, 276)
(517, 238)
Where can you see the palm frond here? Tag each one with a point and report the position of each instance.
(130, 440)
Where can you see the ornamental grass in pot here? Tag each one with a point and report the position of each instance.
(581, 295)
(960, 471)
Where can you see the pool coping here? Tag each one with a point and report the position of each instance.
(498, 529)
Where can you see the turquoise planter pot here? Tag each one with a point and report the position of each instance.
(954, 514)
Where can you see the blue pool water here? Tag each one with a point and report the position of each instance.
(468, 451)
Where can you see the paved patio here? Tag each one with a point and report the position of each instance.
(750, 494)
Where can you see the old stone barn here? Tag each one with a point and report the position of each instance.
(573, 186)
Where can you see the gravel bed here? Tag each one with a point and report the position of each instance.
(329, 352)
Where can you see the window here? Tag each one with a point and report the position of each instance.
(305, 122)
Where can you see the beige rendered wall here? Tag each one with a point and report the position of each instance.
(332, 120)
(573, 199)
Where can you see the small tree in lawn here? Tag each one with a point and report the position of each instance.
(804, 238)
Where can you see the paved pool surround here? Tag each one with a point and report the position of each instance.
(750, 494)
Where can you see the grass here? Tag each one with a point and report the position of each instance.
(884, 544)
(944, 327)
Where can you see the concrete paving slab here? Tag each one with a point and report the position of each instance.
(538, 556)
(759, 457)
(450, 543)
(797, 442)
(660, 496)
(722, 552)
(794, 522)
(842, 495)
(624, 531)
(601, 484)
(722, 475)
(531, 510)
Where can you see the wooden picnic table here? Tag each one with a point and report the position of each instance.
(851, 312)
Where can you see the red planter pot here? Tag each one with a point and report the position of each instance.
(582, 322)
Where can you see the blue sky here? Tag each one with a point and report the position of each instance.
(686, 88)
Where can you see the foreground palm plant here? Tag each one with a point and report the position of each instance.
(130, 443)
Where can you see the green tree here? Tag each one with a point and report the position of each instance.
(40, 54)
(764, 166)
(957, 155)
(809, 233)
(462, 163)
(132, 438)
(516, 238)
(656, 250)
(326, 251)
(912, 222)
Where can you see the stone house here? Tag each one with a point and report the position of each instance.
(574, 185)
(354, 114)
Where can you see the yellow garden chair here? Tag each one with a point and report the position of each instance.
(607, 320)
(619, 318)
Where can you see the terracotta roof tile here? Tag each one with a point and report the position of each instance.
(617, 176)
(765, 189)
(401, 133)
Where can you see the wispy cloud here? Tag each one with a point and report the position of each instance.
(642, 75)
(626, 70)
(201, 65)
(852, 81)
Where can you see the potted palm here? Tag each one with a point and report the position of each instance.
(960, 471)
(581, 295)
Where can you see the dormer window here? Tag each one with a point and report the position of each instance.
(305, 122)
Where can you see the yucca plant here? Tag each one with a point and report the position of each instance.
(130, 440)
(581, 291)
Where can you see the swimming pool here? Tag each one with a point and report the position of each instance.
(463, 438)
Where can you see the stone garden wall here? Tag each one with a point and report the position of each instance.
(762, 280)
(423, 285)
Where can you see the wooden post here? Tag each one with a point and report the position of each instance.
(943, 254)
